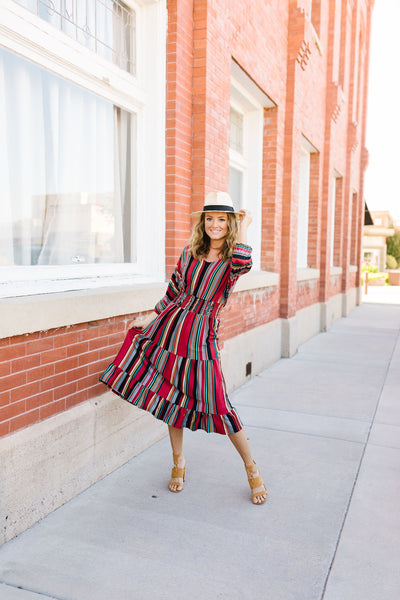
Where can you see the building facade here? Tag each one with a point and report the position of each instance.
(374, 239)
(116, 120)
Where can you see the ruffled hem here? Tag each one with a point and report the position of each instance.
(172, 414)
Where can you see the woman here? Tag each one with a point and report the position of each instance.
(170, 365)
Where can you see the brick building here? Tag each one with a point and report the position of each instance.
(116, 119)
(374, 238)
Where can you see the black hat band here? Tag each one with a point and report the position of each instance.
(218, 208)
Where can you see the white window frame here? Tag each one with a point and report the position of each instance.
(303, 205)
(143, 94)
(335, 177)
(248, 99)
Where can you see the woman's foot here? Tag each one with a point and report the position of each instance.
(177, 474)
(258, 490)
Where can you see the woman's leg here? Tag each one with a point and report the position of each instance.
(176, 439)
(239, 440)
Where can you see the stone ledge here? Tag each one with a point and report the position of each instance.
(41, 312)
(307, 274)
(335, 271)
(47, 311)
(257, 279)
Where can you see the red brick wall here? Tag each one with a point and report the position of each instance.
(246, 310)
(335, 285)
(354, 280)
(178, 183)
(307, 293)
(47, 372)
(271, 227)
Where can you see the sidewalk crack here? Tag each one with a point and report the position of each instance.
(32, 591)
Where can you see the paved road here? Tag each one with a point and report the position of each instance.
(325, 430)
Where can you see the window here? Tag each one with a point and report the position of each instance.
(246, 150)
(77, 197)
(355, 228)
(73, 203)
(302, 217)
(105, 26)
(306, 153)
(238, 163)
(336, 218)
(236, 131)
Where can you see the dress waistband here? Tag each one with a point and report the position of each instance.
(198, 305)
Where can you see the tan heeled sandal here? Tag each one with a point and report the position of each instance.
(256, 482)
(177, 474)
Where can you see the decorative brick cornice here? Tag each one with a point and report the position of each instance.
(336, 100)
(353, 136)
(300, 35)
(364, 158)
(303, 54)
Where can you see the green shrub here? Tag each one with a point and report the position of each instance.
(391, 262)
(393, 245)
(370, 268)
(372, 276)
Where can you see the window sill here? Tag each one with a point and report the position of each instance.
(335, 271)
(40, 312)
(307, 274)
(257, 279)
(32, 283)
(48, 311)
(353, 268)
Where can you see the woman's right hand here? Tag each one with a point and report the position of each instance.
(142, 321)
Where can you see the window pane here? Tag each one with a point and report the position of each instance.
(65, 167)
(303, 210)
(236, 187)
(333, 213)
(236, 131)
(105, 26)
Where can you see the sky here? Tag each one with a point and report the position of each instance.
(382, 178)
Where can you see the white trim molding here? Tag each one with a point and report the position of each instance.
(307, 274)
(335, 271)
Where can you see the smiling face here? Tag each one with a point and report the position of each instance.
(216, 225)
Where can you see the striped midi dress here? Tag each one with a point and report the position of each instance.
(172, 367)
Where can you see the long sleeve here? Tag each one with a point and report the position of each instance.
(174, 287)
(241, 263)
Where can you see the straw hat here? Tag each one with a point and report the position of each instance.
(217, 202)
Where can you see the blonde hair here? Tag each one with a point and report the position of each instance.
(200, 242)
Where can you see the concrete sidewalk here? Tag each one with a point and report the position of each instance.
(324, 427)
